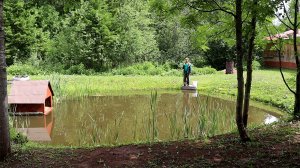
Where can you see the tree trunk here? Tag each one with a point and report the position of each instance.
(249, 64)
(240, 77)
(4, 129)
(229, 67)
(297, 95)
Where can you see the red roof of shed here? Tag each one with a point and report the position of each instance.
(29, 92)
(285, 35)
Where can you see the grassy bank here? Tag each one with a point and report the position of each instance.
(267, 87)
(271, 146)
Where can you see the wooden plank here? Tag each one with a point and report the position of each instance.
(26, 113)
(190, 87)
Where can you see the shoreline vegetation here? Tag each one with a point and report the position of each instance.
(268, 89)
(271, 146)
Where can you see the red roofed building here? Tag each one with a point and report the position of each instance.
(270, 55)
(31, 97)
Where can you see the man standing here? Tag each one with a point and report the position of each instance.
(186, 72)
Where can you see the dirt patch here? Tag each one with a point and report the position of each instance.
(272, 146)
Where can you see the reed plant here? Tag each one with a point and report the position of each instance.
(153, 105)
(117, 125)
(174, 129)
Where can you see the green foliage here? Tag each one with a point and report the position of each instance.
(149, 68)
(18, 138)
(85, 38)
(146, 68)
(203, 71)
(255, 65)
(136, 42)
(79, 69)
(174, 39)
(69, 36)
(218, 53)
(23, 69)
(15, 136)
(173, 72)
(97, 35)
(200, 62)
(24, 36)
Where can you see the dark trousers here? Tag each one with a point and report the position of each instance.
(186, 79)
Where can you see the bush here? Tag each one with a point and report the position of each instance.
(15, 136)
(149, 68)
(203, 71)
(19, 139)
(218, 53)
(79, 69)
(255, 65)
(195, 71)
(173, 72)
(146, 68)
(23, 69)
(200, 62)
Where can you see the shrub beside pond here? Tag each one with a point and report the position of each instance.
(149, 68)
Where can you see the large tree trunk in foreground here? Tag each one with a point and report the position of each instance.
(240, 77)
(297, 95)
(249, 64)
(4, 128)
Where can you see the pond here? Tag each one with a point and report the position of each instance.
(136, 117)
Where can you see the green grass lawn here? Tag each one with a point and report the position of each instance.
(267, 86)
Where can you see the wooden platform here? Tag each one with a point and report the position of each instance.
(47, 110)
(26, 113)
(190, 87)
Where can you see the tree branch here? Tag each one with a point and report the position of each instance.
(223, 9)
(246, 17)
(216, 34)
(287, 14)
(212, 10)
(283, 22)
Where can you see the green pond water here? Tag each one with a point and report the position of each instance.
(136, 117)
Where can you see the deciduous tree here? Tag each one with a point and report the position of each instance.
(289, 18)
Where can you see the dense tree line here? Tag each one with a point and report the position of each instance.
(96, 34)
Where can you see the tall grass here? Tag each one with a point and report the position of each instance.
(117, 125)
(267, 86)
(173, 126)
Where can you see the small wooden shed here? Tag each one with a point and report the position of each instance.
(270, 55)
(31, 97)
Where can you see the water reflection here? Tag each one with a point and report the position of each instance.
(128, 119)
(187, 95)
(270, 119)
(36, 128)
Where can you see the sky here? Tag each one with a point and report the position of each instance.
(276, 21)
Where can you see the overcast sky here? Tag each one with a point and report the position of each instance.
(276, 21)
